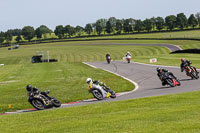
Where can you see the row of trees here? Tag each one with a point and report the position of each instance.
(109, 26)
(27, 33)
(117, 26)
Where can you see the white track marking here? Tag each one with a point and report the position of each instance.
(156, 65)
(122, 93)
(89, 65)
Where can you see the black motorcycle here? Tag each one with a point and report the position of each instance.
(192, 72)
(108, 58)
(170, 80)
(41, 100)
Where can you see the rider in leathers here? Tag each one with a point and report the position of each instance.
(107, 55)
(97, 82)
(33, 90)
(185, 63)
(161, 73)
(128, 54)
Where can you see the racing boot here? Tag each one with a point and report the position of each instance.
(163, 83)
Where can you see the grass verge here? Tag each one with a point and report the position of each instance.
(172, 113)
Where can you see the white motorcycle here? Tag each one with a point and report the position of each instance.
(127, 58)
(100, 92)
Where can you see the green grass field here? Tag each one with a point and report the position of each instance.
(165, 114)
(66, 80)
(181, 34)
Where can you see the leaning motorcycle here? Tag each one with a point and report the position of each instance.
(190, 71)
(100, 92)
(40, 101)
(171, 80)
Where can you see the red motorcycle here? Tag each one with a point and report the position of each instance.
(170, 80)
(128, 58)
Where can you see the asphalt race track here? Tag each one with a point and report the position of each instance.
(144, 77)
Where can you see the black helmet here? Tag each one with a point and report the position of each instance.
(158, 69)
(29, 87)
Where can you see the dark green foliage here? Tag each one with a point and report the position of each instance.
(112, 21)
(160, 23)
(108, 27)
(2, 38)
(197, 15)
(192, 21)
(59, 31)
(153, 22)
(147, 24)
(28, 33)
(15, 32)
(118, 26)
(88, 29)
(170, 22)
(42, 30)
(139, 26)
(79, 30)
(8, 36)
(18, 38)
(181, 20)
(69, 30)
(38, 33)
(99, 27)
(127, 26)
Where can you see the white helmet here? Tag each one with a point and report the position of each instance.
(128, 52)
(88, 80)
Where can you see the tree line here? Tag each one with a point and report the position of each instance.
(106, 26)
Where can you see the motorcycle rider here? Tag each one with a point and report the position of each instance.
(33, 90)
(185, 63)
(97, 82)
(128, 54)
(161, 73)
(107, 55)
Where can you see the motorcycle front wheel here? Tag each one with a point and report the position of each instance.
(97, 94)
(170, 82)
(108, 61)
(56, 103)
(113, 95)
(194, 75)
